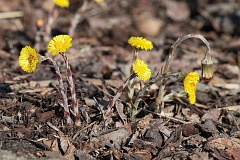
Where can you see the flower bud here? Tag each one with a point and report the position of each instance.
(39, 23)
(207, 68)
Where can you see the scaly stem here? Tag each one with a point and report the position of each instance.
(180, 40)
(73, 92)
(51, 18)
(115, 98)
(76, 19)
(132, 81)
(61, 89)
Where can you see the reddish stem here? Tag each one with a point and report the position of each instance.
(73, 92)
(115, 98)
(62, 90)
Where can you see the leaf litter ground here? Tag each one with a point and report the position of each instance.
(31, 120)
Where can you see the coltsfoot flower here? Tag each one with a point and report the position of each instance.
(28, 59)
(141, 69)
(140, 43)
(62, 3)
(190, 83)
(59, 44)
(99, 1)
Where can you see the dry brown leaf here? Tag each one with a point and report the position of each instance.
(55, 146)
(119, 106)
(70, 152)
(189, 129)
(113, 138)
(145, 122)
(223, 143)
(229, 147)
(89, 102)
(47, 143)
(212, 114)
(64, 143)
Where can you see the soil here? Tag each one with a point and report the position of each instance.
(32, 121)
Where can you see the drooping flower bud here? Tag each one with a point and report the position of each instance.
(207, 68)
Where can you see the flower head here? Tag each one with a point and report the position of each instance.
(40, 23)
(28, 59)
(99, 1)
(141, 69)
(140, 43)
(190, 83)
(59, 44)
(62, 3)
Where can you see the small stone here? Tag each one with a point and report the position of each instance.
(149, 26)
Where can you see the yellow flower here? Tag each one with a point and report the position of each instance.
(28, 59)
(141, 69)
(190, 83)
(99, 1)
(62, 3)
(140, 43)
(59, 44)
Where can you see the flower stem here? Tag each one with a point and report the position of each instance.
(62, 90)
(51, 18)
(180, 40)
(132, 81)
(73, 92)
(115, 98)
(170, 57)
(77, 18)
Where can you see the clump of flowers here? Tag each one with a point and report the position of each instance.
(58, 45)
(140, 69)
(190, 83)
(29, 58)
